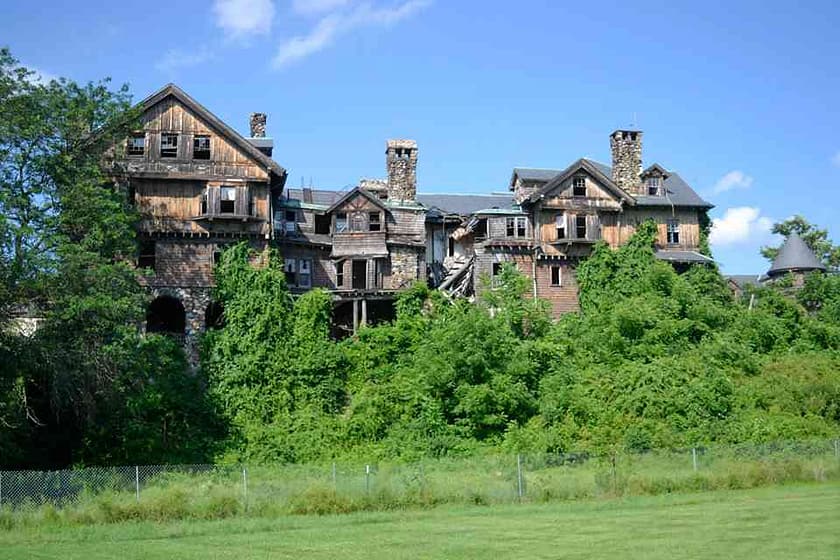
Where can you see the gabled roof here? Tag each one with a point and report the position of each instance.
(214, 121)
(533, 174)
(655, 167)
(677, 191)
(590, 167)
(795, 255)
(350, 194)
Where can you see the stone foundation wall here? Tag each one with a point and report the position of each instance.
(406, 266)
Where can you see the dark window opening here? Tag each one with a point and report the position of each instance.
(510, 227)
(201, 146)
(579, 186)
(168, 145)
(497, 268)
(305, 273)
(227, 205)
(451, 247)
(339, 273)
(217, 255)
(359, 275)
(580, 227)
(290, 221)
(202, 204)
(147, 257)
(322, 224)
(556, 275)
(520, 227)
(137, 145)
(383, 195)
(481, 229)
(560, 224)
(653, 186)
(166, 315)
(373, 222)
(516, 227)
(214, 316)
(290, 268)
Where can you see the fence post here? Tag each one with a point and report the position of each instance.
(694, 458)
(137, 482)
(367, 479)
(245, 487)
(519, 476)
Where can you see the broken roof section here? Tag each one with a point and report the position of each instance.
(795, 256)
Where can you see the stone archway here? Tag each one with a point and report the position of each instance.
(166, 315)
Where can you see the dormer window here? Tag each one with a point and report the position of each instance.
(168, 145)
(201, 146)
(137, 144)
(653, 185)
(374, 223)
(579, 186)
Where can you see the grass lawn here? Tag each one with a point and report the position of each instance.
(797, 521)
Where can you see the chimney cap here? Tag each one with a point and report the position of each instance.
(257, 122)
(401, 143)
(625, 133)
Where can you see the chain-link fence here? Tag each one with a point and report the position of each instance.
(219, 490)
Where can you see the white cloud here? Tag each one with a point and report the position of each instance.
(309, 7)
(740, 225)
(836, 159)
(176, 59)
(242, 18)
(733, 180)
(337, 23)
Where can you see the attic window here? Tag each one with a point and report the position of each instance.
(374, 223)
(653, 184)
(340, 222)
(579, 186)
(137, 144)
(201, 146)
(168, 145)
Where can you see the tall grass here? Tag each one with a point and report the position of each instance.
(493, 479)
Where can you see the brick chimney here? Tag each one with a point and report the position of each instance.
(626, 149)
(401, 162)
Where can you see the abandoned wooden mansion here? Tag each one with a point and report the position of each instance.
(200, 185)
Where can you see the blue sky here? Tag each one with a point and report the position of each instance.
(739, 97)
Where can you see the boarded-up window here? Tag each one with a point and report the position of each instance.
(227, 204)
(168, 145)
(201, 146)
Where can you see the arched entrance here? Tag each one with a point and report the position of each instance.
(166, 315)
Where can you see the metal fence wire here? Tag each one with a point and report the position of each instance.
(481, 479)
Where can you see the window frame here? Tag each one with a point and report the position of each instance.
(339, 274)
(290, 271)
(374, 222)
(131, 149)
(290, 226)
(672, 231)
(167, 152)
(341, 222)
(304, 279)
(578, 182)
(561, 225)
(196, 139)
(556, 268)
(516, 227)
(357, 222)
(579, 224)
(147, 254)
(653, 186)
(222, 201)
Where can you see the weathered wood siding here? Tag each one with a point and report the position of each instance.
(618, 232)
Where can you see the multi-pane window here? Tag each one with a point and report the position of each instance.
(304, 279)
(357, 221)
(203, 203)
(227, 203)
(556, 275)
(516, 227)
(579, 186)
(340, 222)
(653, 184)
(673, 232)
(560, 224)
(201, 146)
(137, 145)
(290, 268)
(374, 222)
(580, 227)
(291, 221)
(168, 145)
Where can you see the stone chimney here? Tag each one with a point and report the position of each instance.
(401, 162)
(258, 139)
(258, 125)
(626, 148)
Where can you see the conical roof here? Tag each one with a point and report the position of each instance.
(795, 255)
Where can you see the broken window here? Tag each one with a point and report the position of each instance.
(516, 227)
(580, 227)
(653, 186)
(305, 273)
(201, 146)
(227, 204)
(168, 145)
(560, 224)
(521, 227)
(137, 145)
(556, 275)
(374, 223)
(202, 204)
(673, 232)
(339, 273)
(579, 186)
(289, 268)
(322, 224)
(510, 227)
(340, 222)
(147, 254)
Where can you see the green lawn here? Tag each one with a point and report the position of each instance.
(801, 521)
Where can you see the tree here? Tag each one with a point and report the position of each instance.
(817, 239)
